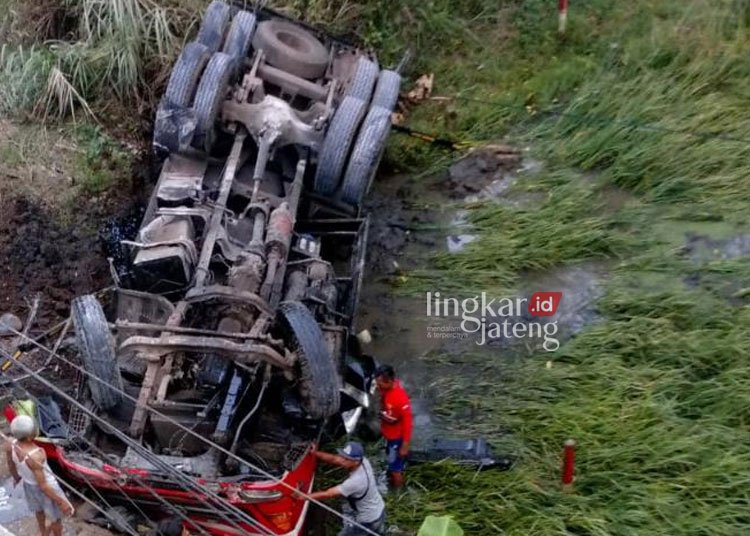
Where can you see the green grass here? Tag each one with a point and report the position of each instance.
(656, 397)
(100, 162)
(648, 97)
(107, 54)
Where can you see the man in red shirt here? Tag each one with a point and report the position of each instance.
(395, 422)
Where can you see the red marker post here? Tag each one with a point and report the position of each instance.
(568, 465)
(562, 14)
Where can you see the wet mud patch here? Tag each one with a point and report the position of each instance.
(59, 259)
(42, 255)
(487, 172)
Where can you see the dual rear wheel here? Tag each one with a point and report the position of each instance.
(200, 78)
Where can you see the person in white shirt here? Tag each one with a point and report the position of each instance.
(28, 463)
(359, 489)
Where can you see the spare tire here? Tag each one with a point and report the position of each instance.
(366, 155)
(97, 352)
(317, 378)
(214, 25)
(337, 144)
(211, 93)
(291, 48)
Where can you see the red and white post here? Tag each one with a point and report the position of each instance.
(568, 464)
(562, 15)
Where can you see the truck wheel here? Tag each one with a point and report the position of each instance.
(211, 93)
(361, 84)
(97, 351)
(238, 39)
(186, 73)
(366, 155)
(386, 91)
(337, 144)
(291, 48)
(318, 380)
(214, 25)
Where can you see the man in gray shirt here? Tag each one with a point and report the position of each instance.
(359, 489)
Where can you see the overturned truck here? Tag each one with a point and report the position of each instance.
(232, 325)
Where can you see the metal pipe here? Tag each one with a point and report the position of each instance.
(218, 210)
(264, 153)
(292, 83)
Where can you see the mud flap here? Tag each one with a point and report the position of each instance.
(174, 128)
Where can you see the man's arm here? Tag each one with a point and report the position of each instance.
(330, 493)
(8, 448)
(35, 463)
(331, 459)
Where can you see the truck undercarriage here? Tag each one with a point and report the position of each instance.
(231, 328)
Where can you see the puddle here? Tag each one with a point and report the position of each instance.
(529, 166)
(581, 285)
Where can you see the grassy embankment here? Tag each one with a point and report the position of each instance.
(656, 393)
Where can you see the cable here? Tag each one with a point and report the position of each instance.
(83, 497)
(90, 444)
(156, 461)
(196, 435)
(180, 513)
(128, 440)
(152, 458)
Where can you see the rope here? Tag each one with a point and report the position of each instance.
(90, 444)
(81, 496)
(194, 434)
(152, 458)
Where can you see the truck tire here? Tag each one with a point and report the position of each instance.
(185, 74)
(337, 144)
(239, 38)
(361, 84)
(291, 48)
(366, 155)
(97, 351)
(386, 91)
(211, 92)
(214, 25)
(318, 380)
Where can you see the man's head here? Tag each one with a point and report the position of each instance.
(385, 377)
(353, 453)
(23, 428)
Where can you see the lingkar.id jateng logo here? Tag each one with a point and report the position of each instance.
(502, 318)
